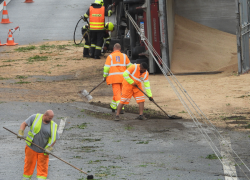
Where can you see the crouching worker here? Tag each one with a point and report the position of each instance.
(109, 27)
(133, 77)
(87, 41)
(115, 65)
(43, 132)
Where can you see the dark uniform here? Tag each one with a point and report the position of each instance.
(87, 42)
(96, 13)
(106, 39)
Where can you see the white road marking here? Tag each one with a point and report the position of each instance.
(62, 125)
(52, 159)
(227, 160)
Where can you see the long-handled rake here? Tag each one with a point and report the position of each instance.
(88, 176)
(86, 94)
(169, 116)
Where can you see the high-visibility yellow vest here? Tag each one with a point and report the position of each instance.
(36, 127)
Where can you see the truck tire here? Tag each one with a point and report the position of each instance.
(112, 43)
(137, 50)
(133, 61)
(133, 1)
(141, 60)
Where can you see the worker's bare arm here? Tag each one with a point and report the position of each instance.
(23, 126)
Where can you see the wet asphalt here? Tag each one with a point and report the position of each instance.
(131, 149)
(107, 149)
(43, 20)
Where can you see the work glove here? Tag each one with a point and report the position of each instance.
(134, 84)
(20, 134)
(48, 150)
(151, 99)
(84, 19)
(105, 48)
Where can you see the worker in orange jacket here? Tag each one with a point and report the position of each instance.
(133, 77)
(115, 65)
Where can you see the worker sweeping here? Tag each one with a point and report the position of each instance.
(43, 132)
(109, 27)
(115, 65)
(133, 77)
(96, 14)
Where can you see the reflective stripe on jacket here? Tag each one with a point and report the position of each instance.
(36, 127)
(132, 74)
(116, 64)
(97, 18)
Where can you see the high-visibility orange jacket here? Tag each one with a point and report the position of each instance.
(115, 65)
(132, 74)
(97, 18)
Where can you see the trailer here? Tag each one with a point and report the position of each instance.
(151, 17)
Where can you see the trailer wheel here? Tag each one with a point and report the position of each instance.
(141, 60)
(113, 42)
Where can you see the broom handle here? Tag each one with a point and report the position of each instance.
(44, 150)
(96, 86)
(154, 102)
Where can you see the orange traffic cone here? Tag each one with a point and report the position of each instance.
(10, 39)
(1, 44)
(5, 16)
(29, 1)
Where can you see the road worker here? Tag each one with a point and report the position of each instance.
(43, 132)
(115, 65)
(96, 14)
(133, 77)
(109, 27)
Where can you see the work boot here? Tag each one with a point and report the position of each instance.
(26, 178)
(141, 117)
(97, 57)
(92, 52)
(117, 118)
(86, 55)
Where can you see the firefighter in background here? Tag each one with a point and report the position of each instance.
(96, 14)
(109, 27)
(115, 65)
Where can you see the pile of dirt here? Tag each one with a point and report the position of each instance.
(198, 48)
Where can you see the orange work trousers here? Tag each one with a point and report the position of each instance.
(31, 157)
(117, 91)
(128, 91)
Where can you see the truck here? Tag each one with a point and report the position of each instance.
(151, 17)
